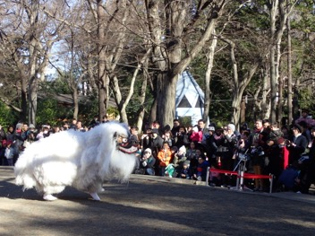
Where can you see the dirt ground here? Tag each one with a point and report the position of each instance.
(154, 206)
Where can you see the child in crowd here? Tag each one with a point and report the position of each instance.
(201, 170)
(194, 161)
(164, 156)
(9, 153)
(179, 159)
(148, 162)
(191, 152)
(185, 173)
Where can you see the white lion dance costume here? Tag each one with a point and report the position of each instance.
(83, 160)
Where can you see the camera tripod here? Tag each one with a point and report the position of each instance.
(241, 168)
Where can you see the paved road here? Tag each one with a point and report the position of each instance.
(154, 206)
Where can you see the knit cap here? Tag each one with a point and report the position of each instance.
(148, 150)
(231, 127)
(182, 149)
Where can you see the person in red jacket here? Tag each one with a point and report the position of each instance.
(196, 135)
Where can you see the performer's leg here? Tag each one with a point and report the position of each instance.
(95, 196)
(49, 197)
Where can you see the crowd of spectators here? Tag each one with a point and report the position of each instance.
(287, 152)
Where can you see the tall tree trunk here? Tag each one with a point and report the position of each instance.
(166, 107)
(75, 98)
(273, 52)
(24, 99)
(289, 84)
(142, 96)
(102, 78)
(266, 105)
(279, 12)
(210, 59)
(167, 52)
(280, 99)
(32, 12)
(38, 54)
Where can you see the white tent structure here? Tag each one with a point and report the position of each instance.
(189, 98)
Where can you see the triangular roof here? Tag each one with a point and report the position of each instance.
(187, 90)
(184, 103)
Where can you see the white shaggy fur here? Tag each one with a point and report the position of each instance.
(83, 160)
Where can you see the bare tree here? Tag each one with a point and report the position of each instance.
(175, 42)
(279, 12)
(239, 85)
(111, 18)
(29, 37)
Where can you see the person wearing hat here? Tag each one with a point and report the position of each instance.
(211, 146)
(297, 145)
(179, 157)
(229, 143)
(148, 162)
(156, 142)
(185, 171)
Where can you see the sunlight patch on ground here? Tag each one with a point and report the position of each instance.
(300, 223)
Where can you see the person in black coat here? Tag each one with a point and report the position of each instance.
(297, 146)
(307, 167)
(181, 137)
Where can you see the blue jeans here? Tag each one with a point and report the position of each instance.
(150, 171)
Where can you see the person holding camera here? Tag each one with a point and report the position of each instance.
(297, 145)
(243, 144)
(167, 137)
(151, 139)
(146, 139)
(181, 137)
(211, 146)
(176, 126)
